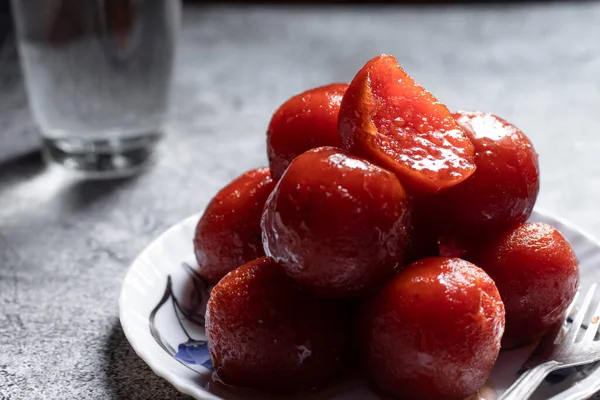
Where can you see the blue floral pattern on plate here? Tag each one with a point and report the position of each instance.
(194, 352)
(189, 311)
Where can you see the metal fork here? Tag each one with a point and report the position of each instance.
(556, 354)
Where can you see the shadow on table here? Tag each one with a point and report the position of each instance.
(75, 194)
(127, 376)
(20, 167)
(82, 194)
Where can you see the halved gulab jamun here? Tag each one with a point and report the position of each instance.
(386, 117)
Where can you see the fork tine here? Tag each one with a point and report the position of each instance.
(553, 337)
(558, 337)
(579, 317)
(592, 328)
(572, 305)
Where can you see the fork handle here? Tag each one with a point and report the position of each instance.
(530, 380)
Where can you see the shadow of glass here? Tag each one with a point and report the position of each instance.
(19, 168)
(82, 194)
(127, 376)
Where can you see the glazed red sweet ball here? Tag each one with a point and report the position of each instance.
(502, 191)
(305, 121)
(228, 234)
(390, 120)
(433, 331)
(537, 274)
(267, 334)
(337, 223)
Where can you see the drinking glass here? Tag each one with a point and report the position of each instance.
(98, 76)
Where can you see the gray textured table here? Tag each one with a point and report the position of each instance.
(65, 245)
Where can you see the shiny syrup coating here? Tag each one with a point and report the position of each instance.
(228, 234)
(337, 223)
(389, 119)
(267, 334)
(306, 121)
(537, 274)
(433, 331)
(502, 191)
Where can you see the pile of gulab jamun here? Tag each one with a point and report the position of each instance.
(387, 232)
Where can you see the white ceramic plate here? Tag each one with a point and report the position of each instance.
(161, 311)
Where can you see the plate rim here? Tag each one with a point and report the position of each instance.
(187, 387)
(181, 384)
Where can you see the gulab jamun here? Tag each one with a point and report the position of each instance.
(265, 333)
(306, 121)
(537, 274)
(228, 234)
(433, 331)
(386, 117)
(337, 223)
(501, 192)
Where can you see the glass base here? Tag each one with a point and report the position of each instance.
(102, 158)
